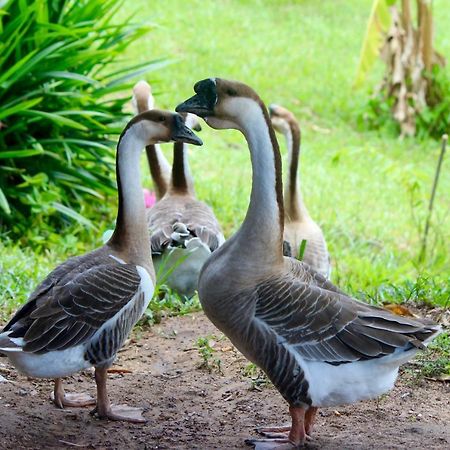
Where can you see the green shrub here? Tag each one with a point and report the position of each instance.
(432, 121)
(60, 84)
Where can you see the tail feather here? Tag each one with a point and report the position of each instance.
(8, 344)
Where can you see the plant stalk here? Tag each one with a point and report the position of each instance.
(433, 193)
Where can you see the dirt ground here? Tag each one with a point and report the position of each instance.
(189, 408)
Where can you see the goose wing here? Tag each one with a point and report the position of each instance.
(197, 218)
(326, 326)
(68, 314)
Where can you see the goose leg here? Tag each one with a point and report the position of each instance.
(283, 437)
(61, 399)
(310, 419)
(105, 410)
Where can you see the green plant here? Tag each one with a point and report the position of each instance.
(257, 376)
(206, 352)
(165, 302)
(60, 79)
(435, 361)
(434, 119)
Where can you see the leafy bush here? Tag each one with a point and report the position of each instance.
(60, 79)
(431, 121)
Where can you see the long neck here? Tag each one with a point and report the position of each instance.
(181, 182)
(262, 231)
(293, 201)
(159, 169)
(130, 236)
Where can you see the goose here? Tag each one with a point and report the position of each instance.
(160, 169)
(81, 314)
(317, 345)
(142, 101)
(298, 224)
(184, 230)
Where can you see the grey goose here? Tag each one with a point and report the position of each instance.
(318, 346)
(183, 230)
(81, 314)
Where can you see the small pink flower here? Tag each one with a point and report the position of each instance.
(149, 198)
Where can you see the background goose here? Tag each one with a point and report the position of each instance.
(160, 169)
(318, 346)
(183, 230)
(81, 314)
(142, 101)
(298, 224)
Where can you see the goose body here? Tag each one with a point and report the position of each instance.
(183, 230)
(81, 314)
(298, 224)
(318, 346)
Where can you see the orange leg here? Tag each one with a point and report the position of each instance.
(310, 419)
(61, 399)
(105, 410)
(283, 437)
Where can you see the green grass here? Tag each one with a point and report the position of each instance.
(368, 191)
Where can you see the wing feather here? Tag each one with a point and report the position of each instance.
(71, 311)
(326, 326)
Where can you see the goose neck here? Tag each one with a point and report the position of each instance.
(263, 225)
(130, 235)
(158, 169)
(293, 201)
(181, 178)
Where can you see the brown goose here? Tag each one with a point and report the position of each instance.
(183, 230)
(298, 224)
(159, 167)
(318, 346)
(81, 314)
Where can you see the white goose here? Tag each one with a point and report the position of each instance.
(318, 346)
(160, 171)
(81, 314)
(298, 224)
(183, 230)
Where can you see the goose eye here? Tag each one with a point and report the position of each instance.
(231, 92)
(161, 119)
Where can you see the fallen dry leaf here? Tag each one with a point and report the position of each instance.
(399, 310)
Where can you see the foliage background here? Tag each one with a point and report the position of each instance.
(63, 85)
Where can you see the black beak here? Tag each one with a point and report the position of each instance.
(203, 102)
(197, 105)
(181, 133)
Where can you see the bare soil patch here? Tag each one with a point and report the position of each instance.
(189, 408)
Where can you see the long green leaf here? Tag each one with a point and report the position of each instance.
(20, 153)
(4, 203)
(378, 24)
(19, 107)
(16, 72)
(69, 212)
(57, 118)
(69, 76)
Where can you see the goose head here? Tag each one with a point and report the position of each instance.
(282, 119)
(223, 104)
(155, 126)
(143, 99)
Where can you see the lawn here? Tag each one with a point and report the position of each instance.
(369, 191)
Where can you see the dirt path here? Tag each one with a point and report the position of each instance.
(187, 407)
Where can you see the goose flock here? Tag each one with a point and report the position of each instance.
(317, 345)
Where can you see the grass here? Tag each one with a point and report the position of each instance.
(368, 191)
